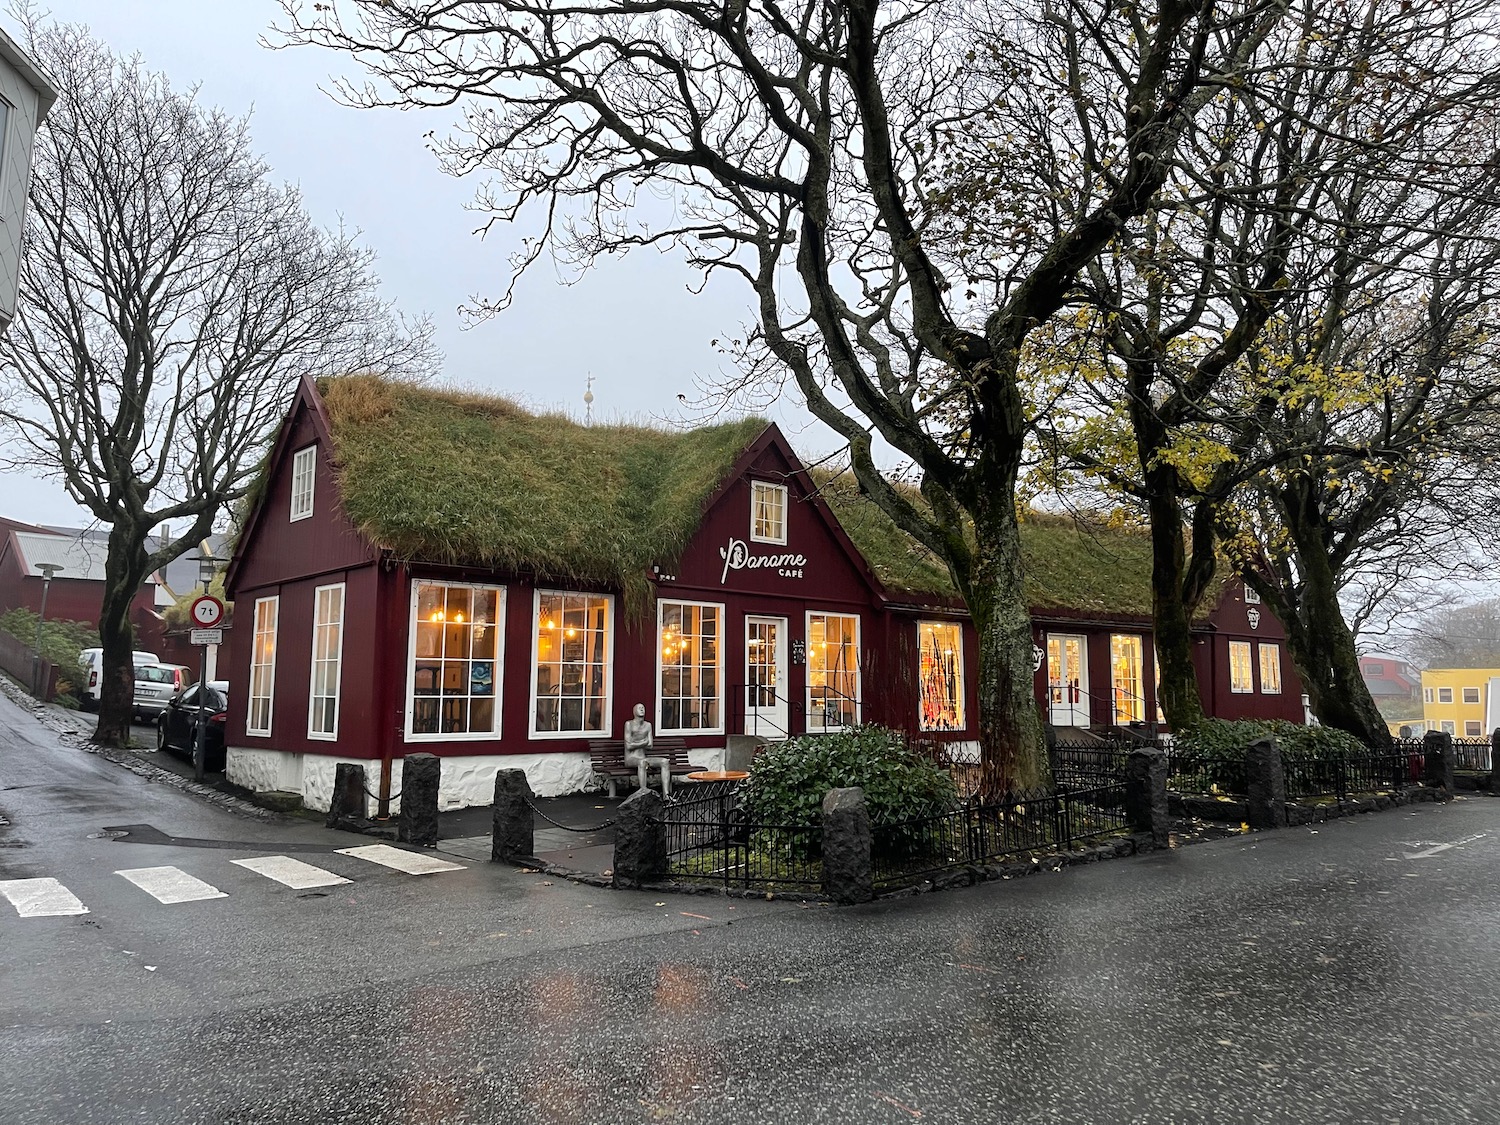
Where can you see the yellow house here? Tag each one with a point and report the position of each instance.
(1464, 702)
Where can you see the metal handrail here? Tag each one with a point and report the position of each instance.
(794, 706)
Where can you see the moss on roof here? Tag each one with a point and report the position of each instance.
(1071, 563)
(449, 476)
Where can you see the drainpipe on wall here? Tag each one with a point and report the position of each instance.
(383, 695)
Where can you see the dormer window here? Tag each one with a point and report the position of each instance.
(767, 512)
(303, 463)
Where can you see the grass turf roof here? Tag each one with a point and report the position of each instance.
(1069, 564)
(447, 476)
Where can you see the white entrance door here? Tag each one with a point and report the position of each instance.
(1068, 680)
(765, 677)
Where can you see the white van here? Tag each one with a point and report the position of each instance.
(92, 662)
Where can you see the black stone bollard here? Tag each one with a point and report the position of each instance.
(640, 840)
(347, 802)
(420, 776)
(1146, 794)
(1495, 761)
(848, 870)
(1437, 754)
(1265, 785)
(513, 820)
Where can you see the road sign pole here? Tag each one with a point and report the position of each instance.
(202, 712)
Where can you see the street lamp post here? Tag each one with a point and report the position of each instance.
(39, 689)
(206, 565)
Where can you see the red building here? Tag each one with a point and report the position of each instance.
(76, 593)
(433, 571)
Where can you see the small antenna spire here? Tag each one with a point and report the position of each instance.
(588, 402)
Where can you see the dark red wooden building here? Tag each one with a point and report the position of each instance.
(433, 571)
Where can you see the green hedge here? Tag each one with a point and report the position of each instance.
(62, 641)
(789, 781)
(1218, 737)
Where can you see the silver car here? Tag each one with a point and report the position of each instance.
(155, 685)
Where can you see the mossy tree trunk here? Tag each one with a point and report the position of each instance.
(1318, 637)
(125, 570)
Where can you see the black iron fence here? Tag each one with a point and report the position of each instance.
(1374, 772)
(1471, 754)
(981, 833)
(709, 838)
(1206, 773)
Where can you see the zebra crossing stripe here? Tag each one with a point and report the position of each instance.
(171, 884)
(410, 862)
(41, 898)
(291, 872)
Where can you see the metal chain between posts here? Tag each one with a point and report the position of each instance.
(568, 827)
(377, 796)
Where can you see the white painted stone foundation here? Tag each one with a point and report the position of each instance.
(465, 781)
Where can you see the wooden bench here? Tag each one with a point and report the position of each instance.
(608, 758)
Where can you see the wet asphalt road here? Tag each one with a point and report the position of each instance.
(1289, 977)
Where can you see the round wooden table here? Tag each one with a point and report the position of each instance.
(718, 775)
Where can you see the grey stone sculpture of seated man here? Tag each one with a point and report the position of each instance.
(638, 750)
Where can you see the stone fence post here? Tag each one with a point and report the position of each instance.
(1437, 753)
(513, 822)
(1265, 785)
(640, 840)
(848, 869)
(347, 801)
(1146, 794)
(1495, 761)
(420, 776)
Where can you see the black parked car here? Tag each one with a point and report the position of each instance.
(177, 728)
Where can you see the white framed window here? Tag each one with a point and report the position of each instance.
(1448, 727)
(1471, 728)
(327, 662)
(262, 668)
(454, 666)
(1471, 695)
(1241, 681)
(832, 671)
(1126, 676)
(1426, 695)
(304, 468)
(940, 662)
(1445, 695)
(1251, 597)
(767, 512)
(571, 665)
(1270, 669)
(690, 667)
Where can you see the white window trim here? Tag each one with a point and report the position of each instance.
(963, 700)
(1249, 663)
(1464, 695)
(609, 671)
(1447, 726)
(859, 670)
(309, 452)
(1476, 723)
(411, 663)
(256, 732)
(785, 514)
(338, 685)
(1428, 695)
(1449, 690)
(719, 679)
(1262, 647)
(1114, 708)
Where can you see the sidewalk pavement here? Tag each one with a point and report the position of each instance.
(575, 831)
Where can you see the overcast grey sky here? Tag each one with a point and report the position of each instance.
(632, 323)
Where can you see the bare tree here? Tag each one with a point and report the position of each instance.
(795, 142)
(1319, 193)
(170, 298)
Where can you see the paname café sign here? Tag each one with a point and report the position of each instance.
(737, 556)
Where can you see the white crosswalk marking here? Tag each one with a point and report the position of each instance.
(41, 898)
(410, 862)
(292, 872)
(171, 884)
